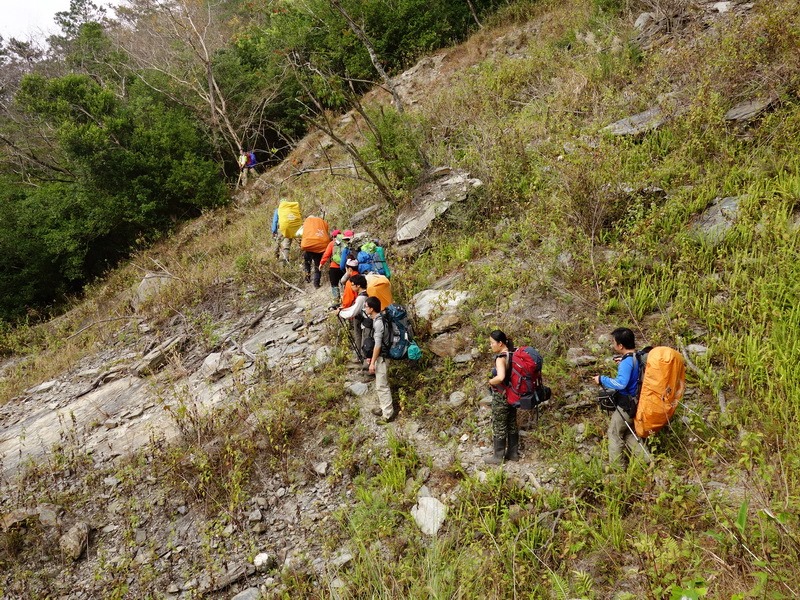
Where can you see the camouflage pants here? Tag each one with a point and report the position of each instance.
(504, 416)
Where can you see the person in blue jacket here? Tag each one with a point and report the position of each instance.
(282, 244)
(620, 430)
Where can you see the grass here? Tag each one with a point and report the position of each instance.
(564, 222)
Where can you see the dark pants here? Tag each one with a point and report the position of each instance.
(308, 259)
(335, 275)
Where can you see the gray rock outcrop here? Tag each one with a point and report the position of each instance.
(717, 219)
(432, 200)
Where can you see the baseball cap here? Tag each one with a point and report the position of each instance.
(348, 235)
(352, 262)
(335, 232)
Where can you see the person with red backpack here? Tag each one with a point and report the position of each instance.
(504, 414)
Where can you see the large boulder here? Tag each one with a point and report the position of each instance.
(433, 199)
(429, 304)
(447, 345)
(148, 288)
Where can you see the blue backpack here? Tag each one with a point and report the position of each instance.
(398, 335)
(372, 259)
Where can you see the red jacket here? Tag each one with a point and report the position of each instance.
(327, 255)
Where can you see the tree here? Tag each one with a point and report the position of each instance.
(373, 56)
(70, 22)
(129, 167)
(173, 44)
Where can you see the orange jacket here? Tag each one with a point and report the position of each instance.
(349, 295)
(327, 255)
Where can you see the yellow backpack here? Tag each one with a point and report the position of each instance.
(289, 219)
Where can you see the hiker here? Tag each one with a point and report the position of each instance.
(335, 270)
(313, 243)
(378, 365)
(286, 221)
(355, 311)
(246, 162)
(349, 294)
(621, 438)
(504, 415)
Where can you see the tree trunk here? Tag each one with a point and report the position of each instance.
(373, 56)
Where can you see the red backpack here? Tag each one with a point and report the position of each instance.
(523, 385)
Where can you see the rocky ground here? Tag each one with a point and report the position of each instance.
(123, 400)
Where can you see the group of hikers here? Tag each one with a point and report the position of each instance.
(641, 398)
(361, 292)
(359, 284)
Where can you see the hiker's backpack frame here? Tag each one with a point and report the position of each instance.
(524, 387)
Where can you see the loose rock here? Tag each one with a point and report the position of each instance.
(429, 515)
(74, 542)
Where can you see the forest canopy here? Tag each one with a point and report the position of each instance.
(117, 128)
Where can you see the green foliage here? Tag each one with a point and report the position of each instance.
(394, 147)
(128, 169)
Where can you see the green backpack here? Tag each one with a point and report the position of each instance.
(339, 251)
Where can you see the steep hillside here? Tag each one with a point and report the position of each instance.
(211, 436)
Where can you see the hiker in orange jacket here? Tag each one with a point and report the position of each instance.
(349, 294)
(335, 271)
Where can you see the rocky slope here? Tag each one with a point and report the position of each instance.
(85, 455)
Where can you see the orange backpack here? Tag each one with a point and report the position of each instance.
(662, 386)
(315, 235)
(380, 286)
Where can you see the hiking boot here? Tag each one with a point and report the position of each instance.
(499, 452)
(376, 411)
(387, 420)
(513, 446)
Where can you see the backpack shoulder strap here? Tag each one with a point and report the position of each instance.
(637, 362)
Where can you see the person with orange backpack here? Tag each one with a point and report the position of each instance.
(620, 397)
(313, 242)
(336, 270)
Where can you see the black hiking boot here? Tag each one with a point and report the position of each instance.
(513, 446)
(499, 452)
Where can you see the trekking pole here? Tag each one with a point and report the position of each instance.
(639, 440)
(350, 339)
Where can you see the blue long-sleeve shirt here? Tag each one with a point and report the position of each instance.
(627, 379)
(275, 222)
